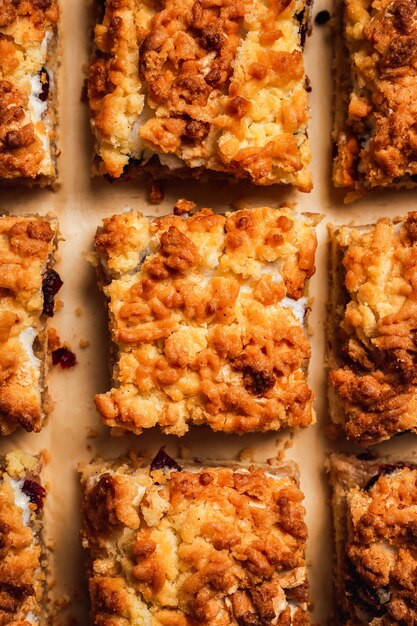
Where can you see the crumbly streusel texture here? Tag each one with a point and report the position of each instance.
(375, 517)
(205, 545)
(28, 60)
(27, 245)
(206, 317)
(372, 328)
(22, 559)
(198, 85)
(376, 104)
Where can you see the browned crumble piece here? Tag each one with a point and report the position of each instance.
(180, 546)
(207, 319)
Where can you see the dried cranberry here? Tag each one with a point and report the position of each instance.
(366, 456)
(19, 591)
(371, 482)
(322, 17)
(34, 491)
(43, 96)
(385, 470)
(64, 357)
(305, 24)
(163, 461)
(364, 594)
(303, 27)
(51, 284)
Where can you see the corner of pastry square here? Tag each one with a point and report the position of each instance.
(207, 317)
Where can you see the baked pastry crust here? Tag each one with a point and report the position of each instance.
(27, 245)
(375, 517)
(23, 567)
(372, 326)
(201, 86)
(207, 544)
(206, 316)
(28, 61)
(376, 85)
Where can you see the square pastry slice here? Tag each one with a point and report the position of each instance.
(375, 518)
(207, 319)
(23, 564)
(184, 88)
(372, 329)
(179, 546)
(376, 59)
(27, 286)
(28, 53)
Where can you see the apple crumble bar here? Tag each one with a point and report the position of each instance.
(194, 86)
(372, 329)
(28, 60)
(375, 517)
(23, 564)
(207, 319)
(177, 546)
(27, 287)
(376, 106)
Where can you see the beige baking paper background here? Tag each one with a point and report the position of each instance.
(80, 204)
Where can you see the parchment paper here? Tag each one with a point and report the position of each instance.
(80, 204)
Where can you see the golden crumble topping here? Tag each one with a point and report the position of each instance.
(375, 130)
(376, 504)
(373, 328)
(210, 545)
(198, 85)
(27, 113)
(206, 317)
(26, 256)
(22, 562)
